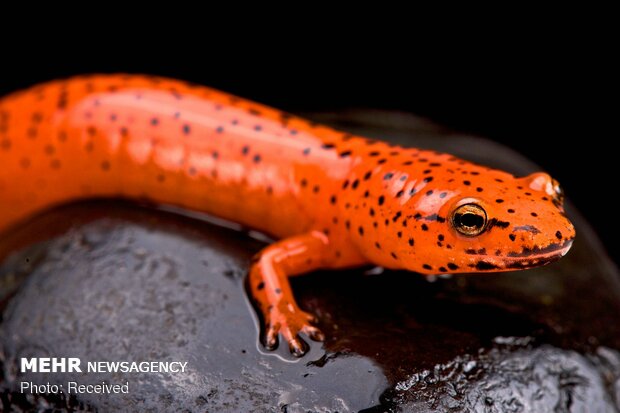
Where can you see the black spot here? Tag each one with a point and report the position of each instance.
(245, 150)
(381, 200)
(154, 121)
(424, 227)
(443, 195)
(412, 191)
(440, 237)
(399, 234)
(186, 129)
(428, 179)
(278, 291)
(258, 128)
(260, 286)
(256, 159)
(558, 235)
(466, 183)
(345, 154)
(453, 266)
(411, 242)
(306, 151)
(479, 189)
(483, 266)
(434, 164)
(400, 193)
(393, 255)
(534, 214)
(497, 223)
(361, 231)
(427, 171)
(215, 154)
(345, 184)
(442, 269)
(396, 216)
(355, 184)
(333, 199)
(429, 193)
(366, 194)
(381, 161)
(377, 245)
(367, 175)
(511, 211)
(374, 153)
(388, 175)
(512, 237)
(498, 180)
(427, 267)
(403, 178)
(372, 212)
(105, 165)
(347, 224)
(328, 146)
(499, 201)
(219, 129)
(316, 189)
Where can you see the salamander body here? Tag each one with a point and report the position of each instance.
(332, 199)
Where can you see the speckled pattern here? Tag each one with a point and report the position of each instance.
(117, 282)
(334, 200)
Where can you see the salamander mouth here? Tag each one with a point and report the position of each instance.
(528, 258)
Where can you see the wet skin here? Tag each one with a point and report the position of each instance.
(334, 200)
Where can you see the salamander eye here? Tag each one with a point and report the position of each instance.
(469, 219)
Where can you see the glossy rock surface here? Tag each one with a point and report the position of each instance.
(108, 281)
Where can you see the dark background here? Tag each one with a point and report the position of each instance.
(551, 98)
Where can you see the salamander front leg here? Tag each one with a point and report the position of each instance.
(268, 282)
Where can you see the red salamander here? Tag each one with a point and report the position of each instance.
(332, 199)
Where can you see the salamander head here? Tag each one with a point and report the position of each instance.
(476, 220)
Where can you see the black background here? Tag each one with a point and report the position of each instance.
(552, 98)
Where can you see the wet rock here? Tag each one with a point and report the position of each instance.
(108, 281)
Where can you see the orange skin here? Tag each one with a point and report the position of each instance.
(334, 200)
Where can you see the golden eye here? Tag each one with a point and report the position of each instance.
(469, 219)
